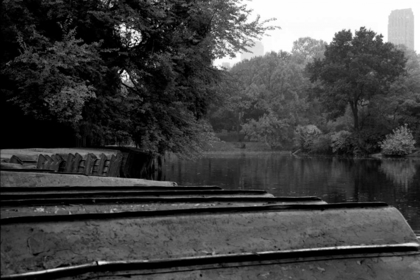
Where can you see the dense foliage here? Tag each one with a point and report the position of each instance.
(305, 136)
(268, 96)
(341, 98)
(356, 69)
(399, 143)
(116, 71)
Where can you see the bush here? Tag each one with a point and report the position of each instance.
(305, 136)
(341, 142)
(322, 145)
(399, 143)
(370, 138)
(269, 129)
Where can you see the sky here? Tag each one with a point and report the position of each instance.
(321, 19)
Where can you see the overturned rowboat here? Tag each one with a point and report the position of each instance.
(63, 226)
(36, 201)
(324, 241)
(45, 178)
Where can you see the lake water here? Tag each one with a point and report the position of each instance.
(394, 181)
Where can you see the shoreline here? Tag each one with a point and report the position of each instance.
(237, 147)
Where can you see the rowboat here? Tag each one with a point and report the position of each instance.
(35, 201)
(180, 232)
(329, 241)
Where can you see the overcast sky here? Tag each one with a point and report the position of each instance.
(321, 19)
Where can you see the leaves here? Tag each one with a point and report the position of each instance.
(356, 69)
(121, 71)
(399, 143)
(268, 129)
(268, 97)
(306, 50)
(305, 136)
(231, 30)
(54, 79)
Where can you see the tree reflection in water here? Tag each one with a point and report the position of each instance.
(401, 172)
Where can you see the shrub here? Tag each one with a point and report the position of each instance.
(341, 142)
(305, 136)
(322, 145)
(399, 143)
(268, 129)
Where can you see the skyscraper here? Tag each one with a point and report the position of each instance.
(256, 50)
(401, 28)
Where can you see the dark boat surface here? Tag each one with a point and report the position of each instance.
(40, 201)
(41, 207)
(132, 193)
(330, 241)
(163, 231)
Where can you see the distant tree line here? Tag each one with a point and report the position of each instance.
(116, 71)
(343, 97)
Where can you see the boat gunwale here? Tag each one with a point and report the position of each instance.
(105, 188)
(126, 200)
(192, 211)
(229, 260)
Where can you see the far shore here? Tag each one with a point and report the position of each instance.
(219, 147)
(255, 147)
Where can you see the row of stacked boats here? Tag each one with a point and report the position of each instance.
(198, 232)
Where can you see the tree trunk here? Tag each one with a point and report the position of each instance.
(355, 112)
(238, 126)
(356, 127)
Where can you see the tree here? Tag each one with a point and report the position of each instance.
(120, 70)
(268, 95)
(54, 79)
(402, 104)
(268, 129)
(354, 70)
(307, 49)
(229, 112)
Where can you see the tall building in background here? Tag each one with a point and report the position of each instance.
(401, 28)
(256, 50)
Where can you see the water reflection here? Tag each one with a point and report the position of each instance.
(401, 172)
(334, 180)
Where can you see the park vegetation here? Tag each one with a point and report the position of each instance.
(117, 71)
(101, 72)
(343, 98)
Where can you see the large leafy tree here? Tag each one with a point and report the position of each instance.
(268, 95)
(118, 70)
(307, 49)
(402, 104)
(355, 69)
